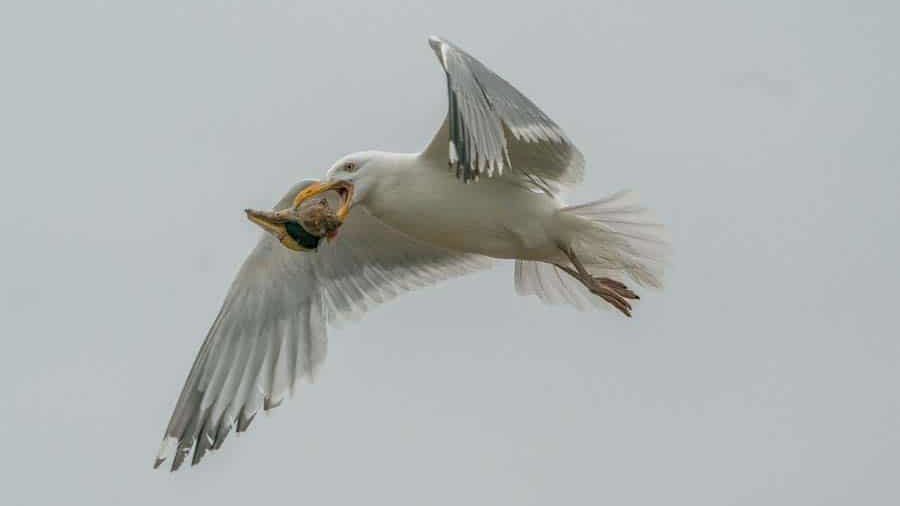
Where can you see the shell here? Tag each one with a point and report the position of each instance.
(319, 219)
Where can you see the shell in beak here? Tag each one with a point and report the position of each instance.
(302, 226)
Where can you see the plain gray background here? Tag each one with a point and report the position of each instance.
(764, 135)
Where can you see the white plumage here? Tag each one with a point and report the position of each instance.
(414, 222)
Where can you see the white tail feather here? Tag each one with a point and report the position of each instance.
(617, 236)
(614, 237)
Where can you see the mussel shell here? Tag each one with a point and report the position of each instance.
(301, 236)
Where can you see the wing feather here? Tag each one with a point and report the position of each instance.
(491, 126)
(271, 330)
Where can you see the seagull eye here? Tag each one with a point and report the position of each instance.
(350, 167)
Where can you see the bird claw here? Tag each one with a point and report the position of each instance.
(614, 292)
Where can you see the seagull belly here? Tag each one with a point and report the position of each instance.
(493, 217)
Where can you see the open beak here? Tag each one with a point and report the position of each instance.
(344, 189)
(298, 239)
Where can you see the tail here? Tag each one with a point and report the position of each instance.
(614, 237)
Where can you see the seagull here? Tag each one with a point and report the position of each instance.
(491, 184)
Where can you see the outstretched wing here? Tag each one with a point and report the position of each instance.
(492, 129)
(271, 330)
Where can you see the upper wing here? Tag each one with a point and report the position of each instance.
(271, 328)
(491, 126)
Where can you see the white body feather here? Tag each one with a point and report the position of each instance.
(496, 217)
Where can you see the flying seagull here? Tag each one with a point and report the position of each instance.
(491, 184)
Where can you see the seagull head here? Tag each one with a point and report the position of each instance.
(352, 176)
(359, 170)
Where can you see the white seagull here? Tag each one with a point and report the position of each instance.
(491, 184)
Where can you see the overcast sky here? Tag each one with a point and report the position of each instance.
(764, 135)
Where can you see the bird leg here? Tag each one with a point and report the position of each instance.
(610, 290)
